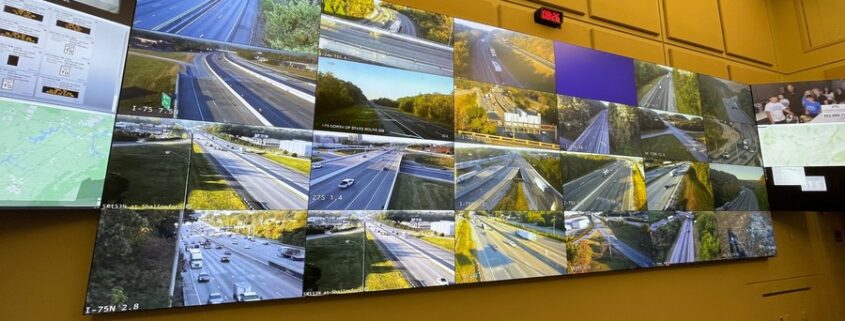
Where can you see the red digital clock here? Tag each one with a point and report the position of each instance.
(549, 17)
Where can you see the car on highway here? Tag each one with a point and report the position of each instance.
(215, 298)
(511, 243)
(442, 281)
(247, 247)
(225, 259)
(668, 186)
(386, 168)
(227, 252)
(265, 243)
(726, 156)
(203, 277)
(317, 166)
(219, 247)
(364, 156)
(344, 184)
(235, 242)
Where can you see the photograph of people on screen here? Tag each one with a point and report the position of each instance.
(800, 103)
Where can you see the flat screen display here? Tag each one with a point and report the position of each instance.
(268, 150)
(60, 69)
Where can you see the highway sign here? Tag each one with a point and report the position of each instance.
(166, 101)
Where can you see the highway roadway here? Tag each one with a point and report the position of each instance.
(502, 255)
(744, 201)
(484, 66)
(733, 151)
(421, 263)
(490, 184)
(357, 41)
(374, 174)
(734, 111)
(268, 282)
(696, 149)
(661, 96)
(640, 259)
(609, 188)
(263, 183)
(220, 88)
(663, 184)
(402, 124)
(540, 194)
(683, 250)
(426, 172)
(595, 139)
(219, 20)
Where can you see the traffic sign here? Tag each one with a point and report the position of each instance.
(166, 101)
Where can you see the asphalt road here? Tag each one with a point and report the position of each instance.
(269, 185)
(407, 26)
(744, 201)
(502, 255)
(661, 96)
(401, 124)
(426, 172)
(363, 43)
(220, 20)
(683, 251)
(374, 174)
(609, 188)
(268, 282)
(493, 180)
(540, 194)
(497, 104)
(242, 96)
(484, 64)
(732, 151)
(640, 259)
(662, 186)
(422, 263)
(734, 111)
(596, 137)
(694, 147)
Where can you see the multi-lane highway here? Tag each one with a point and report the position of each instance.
(259, 181)
(402, 124)
(363, 42)
(683, 250)
(224, 88)
(446, 175)
(696, 149)
(246, 267)
(487, 66)
(740, 147)
(421, 263)
(502, 255)
(595, 138)
(635, 256)
(374, 174)
(609, 188)
(744, 201)
(735, 112)
(661, 96)
(663, 184)
(489, 182)
(220, 20)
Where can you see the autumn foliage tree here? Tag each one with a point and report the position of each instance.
(349, 8)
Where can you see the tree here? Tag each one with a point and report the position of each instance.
(581, 254)
(349, 8)
(292, 25)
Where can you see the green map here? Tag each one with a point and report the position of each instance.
(803, 145)
(52, 156)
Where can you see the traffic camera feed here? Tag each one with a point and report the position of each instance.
(366, 251)
(173, 76)
(367, 172)
(494, 178)
(389, 35)
(277, 149)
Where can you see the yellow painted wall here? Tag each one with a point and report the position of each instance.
(45, 256)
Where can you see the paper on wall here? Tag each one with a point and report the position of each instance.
(814, 184)
(788, 175)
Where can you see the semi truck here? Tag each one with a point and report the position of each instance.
(195, 256)
(526, 235)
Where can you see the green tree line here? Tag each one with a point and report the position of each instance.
(133, 258)
(287, 227)
(435, 107)
(469, 115)
(646, 72)
(624, 130)
(292, 24)
(650, 120)
(575, 166)
(709, 247)
(687, 97)
(334, 94)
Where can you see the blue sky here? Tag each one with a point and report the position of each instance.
(744, 173)
(377, 82)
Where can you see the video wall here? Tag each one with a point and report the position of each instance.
(261, 150)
